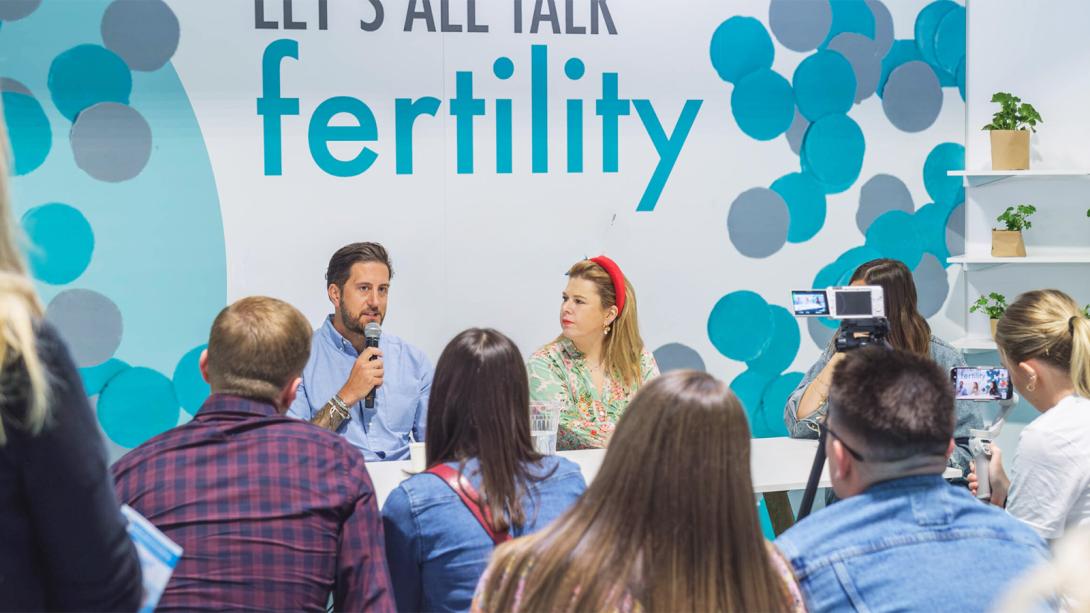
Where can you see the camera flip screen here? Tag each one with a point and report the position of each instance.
(981, 383)
(853, 304)
(809, 303)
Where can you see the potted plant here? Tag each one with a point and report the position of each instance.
(993, 305)
(1009, 134)
(1008, 243)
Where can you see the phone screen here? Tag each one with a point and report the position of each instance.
(809, 303)
(981, 383)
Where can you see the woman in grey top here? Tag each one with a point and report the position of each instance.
(909, 331)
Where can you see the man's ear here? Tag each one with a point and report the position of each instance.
(203, 363)
(950, 448)
(840, 461)
(287, 395)
(334, 294)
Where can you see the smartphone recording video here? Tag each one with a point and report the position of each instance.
(981, 383)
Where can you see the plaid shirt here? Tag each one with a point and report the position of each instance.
(273, 513)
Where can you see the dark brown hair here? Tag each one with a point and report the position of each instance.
(340, 265)
(256, 347)
(900, 403)
(908, 329)
(669, 520)
(480, 408)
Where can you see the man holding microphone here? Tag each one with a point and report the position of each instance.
(372, 389)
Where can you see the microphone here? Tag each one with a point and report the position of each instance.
(371, 332)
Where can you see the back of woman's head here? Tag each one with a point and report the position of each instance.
(1048, 325)
(479, 407)
(669, 519)
(19, 310)
(908, 329)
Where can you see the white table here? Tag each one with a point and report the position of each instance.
(777, 465)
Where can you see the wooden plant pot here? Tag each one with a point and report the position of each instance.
(1008, 244)
(994, 322)
(1010, 149)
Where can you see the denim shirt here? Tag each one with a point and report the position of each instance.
(401, 402)
(909, 544)
(437, 550)
(968, 411)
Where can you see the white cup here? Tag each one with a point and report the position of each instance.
(418, 457)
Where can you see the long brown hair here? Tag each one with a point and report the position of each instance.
(622, 347)
(480, 408)
(1048, 325)
(669, 520)
(908, 330)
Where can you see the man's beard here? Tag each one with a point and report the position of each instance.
(353, 324)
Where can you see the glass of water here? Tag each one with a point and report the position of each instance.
(544, 423)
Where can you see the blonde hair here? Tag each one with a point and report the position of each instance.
(257, 346)
(1063, 578)
(19, 310)
(622, 347)
(1048, 325)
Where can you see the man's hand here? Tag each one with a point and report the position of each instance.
(366, 375)
(998, 481)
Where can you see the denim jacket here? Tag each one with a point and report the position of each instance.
(437, 550)
(968, 412)
(909, 544)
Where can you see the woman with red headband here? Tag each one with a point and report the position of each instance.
(598, 362)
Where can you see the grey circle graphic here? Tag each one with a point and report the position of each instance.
(675, 356)
(883, 27)
(89, 322)
(932, 286)
(13, 86)
(800, 26)
(955, 230)
(881, 193)
(12, 10)
(821, 335)
(143, 32)
(862, 53)
(912, 97)
(111, 142)
(757, 222)
(797, 131)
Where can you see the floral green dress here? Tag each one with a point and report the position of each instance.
(558, 372)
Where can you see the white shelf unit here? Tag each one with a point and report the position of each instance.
(988, 260)
(977, 178)
(974, 343)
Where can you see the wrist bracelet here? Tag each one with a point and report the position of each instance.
(339, 402)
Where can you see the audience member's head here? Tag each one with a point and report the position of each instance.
(669, 520)
(257, 349)
(1044, 339)
(479, 407)
(358, 285)
(620, 336)
(908, 329)
(891, 414)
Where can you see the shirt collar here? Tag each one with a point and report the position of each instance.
(568, 347)
(217, 404)
(338, 341)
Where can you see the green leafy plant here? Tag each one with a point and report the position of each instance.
(1013, 114)
(1086, 311)
(993, 305)
(1017, 219)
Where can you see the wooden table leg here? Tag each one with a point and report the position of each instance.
(779, 511)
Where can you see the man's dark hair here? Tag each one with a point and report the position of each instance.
(340, 265)
(897, 403)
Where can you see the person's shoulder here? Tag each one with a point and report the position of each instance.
(547, 352)
(944, 353)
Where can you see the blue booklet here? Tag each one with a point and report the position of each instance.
(158, 556)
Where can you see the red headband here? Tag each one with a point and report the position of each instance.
(615, 276)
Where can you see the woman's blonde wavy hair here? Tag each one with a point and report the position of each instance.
(19, 310)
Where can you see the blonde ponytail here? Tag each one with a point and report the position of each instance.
(1048, 325)
(1080, 354)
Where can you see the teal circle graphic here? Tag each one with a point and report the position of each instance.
(503, 68)
(136, 405)
(773, 402)
(850, 16)
(931, 228)
(783, 345)
(763, 105)
(832, 152)
(95, 377)
(805, 203)
(824, 85)
(927, 26)
(894, 235)
(574, 69)
(189, 385)
(86, 75)
(950, 40)
(750, 389)
(902, 52)
(852, 259)
(740, 46)
(740, 325)
(61, 242)
(29, 131)
(943, 188)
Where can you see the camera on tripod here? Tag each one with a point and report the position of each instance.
(861, 310)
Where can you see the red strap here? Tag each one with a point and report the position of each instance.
(468, 494)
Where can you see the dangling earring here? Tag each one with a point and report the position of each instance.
(1032, 385)
(606, 331)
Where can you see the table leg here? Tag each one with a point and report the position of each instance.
(779, 511)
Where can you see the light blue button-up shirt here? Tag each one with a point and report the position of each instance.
(401, 402)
